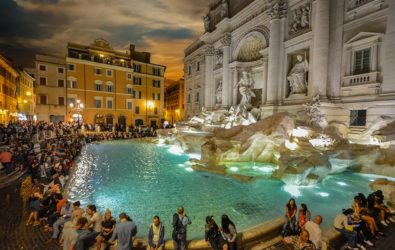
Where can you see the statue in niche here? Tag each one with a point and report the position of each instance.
(297, 76)
(224, 9)
(245, 86)
(218, 93)
(206, 20)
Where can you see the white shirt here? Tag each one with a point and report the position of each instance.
(315, 233)
(340, 221)
(96, 219)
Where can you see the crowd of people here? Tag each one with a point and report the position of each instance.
(362, 224)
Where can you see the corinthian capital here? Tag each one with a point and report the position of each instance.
(227, 39)
(210, 50)
(278, 10)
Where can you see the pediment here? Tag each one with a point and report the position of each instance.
(364, 35)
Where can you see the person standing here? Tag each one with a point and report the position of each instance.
(124, 233)
(180, 223)
(6, 160)
(156, 235)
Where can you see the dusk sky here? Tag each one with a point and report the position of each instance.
(163, 27)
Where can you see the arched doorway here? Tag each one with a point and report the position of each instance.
(122, 120)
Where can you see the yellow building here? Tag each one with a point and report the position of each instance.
(50, 77)
(115, 87)
(8, 102)
(174, 102)
(26, 97)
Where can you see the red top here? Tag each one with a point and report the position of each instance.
(292, 211)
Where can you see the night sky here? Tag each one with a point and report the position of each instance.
(163, 27)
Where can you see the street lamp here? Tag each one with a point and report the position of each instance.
(77, 108)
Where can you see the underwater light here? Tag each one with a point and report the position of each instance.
(342, 183)
(181, 165)
(189, 169)
(323, 194)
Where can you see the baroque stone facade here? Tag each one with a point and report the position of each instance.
(294, 50)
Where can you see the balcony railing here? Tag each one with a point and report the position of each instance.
(360, 79)
(357, 3)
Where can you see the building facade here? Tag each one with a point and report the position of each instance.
(116, 88)
(290, 51)
(26, 97)
(174, 102)
(50, 77)
(8, 101)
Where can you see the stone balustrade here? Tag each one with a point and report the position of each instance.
(366, 78)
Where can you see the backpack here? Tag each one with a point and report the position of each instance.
(178, 228)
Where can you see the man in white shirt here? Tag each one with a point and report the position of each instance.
(94, 219)
(313, 227)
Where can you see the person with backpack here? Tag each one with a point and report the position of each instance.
(180, 223)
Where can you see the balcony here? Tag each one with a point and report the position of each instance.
(360, 79)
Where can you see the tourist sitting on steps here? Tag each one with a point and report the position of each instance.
(315, 232)
(108, 225)
(65, 215)
(229, 232)
(304, 215)
(213, 235)
(300, 242)
(289, 227)
(342, 225)
(156, 235)
(180, 223)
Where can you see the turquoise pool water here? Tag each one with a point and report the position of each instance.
(144, 180)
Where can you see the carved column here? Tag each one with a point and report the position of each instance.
(226, 87)
(320, 53)
(208, 84)
(264, 87)
(389, 56)
(277, 12)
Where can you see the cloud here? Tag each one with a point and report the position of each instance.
(153, 25)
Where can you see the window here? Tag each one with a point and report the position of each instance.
(72, 84)
(137, 68)
(71, 67)
(155, 110)
(137, 110)
(43, 99)
(129, 105)
(97, 71)
(189, 98)
(137, 94)
(155, 96)
(60, 70)
(189, 70)
(43, 67)
(137, 80)
(358, 117)
(198, 66)
(197, 97)
(156, 83)
(129, 90)
(156, 71)
(43, 81)
(61, 100)
(98, 103)
(109, 73)
(129, 76)
(109, 87)
(60, 83)
(362, 61)
(109, 103)
(98, 86)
